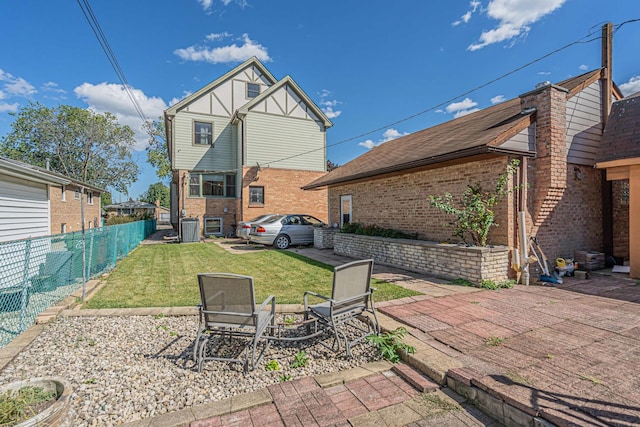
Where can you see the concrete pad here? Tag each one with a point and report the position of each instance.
(398, 415)
(433, 363)
(250, 400)
(367, 420)
(174, 419)
(213, 409)
(334, 378)
(379, 366)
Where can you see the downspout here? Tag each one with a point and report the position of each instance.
(522, 223)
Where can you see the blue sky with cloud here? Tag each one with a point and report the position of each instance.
(369, 65)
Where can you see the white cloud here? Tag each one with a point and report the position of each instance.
(16, 86)
(218, 36)
(327, 105)
(583, 67)
(53, 87)
(113, 98)
(465, 112)
(544, 73)
(2, 95)
(467, 16)
(497, 99)
(225, 54)
(5, 107)
(387, 135)
(206, 4)
(465, 104)
(631, 87)
(515, 18)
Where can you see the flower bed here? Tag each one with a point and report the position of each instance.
(472, 263)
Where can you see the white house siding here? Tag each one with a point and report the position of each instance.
(284, 142)
(584, 125)
(219, 157)
(24, 209)
(525, 140)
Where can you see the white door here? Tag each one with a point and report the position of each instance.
(345, 210)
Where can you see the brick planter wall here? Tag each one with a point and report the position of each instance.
(439, 259)
(323, 237)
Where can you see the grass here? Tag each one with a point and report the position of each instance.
(494, 341)
(166, 276)
(24, 404)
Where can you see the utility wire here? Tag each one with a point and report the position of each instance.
(528, 64)
(106, 48)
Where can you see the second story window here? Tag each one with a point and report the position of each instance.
(253, 90)
(76, 194)
(203, 133)
(62, 197)
(89, 197)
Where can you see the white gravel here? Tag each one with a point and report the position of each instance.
(124, 369)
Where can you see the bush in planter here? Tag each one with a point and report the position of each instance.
(374, 230)
(473, 214)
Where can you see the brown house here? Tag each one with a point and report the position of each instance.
(619, 155)
(66, 207)
(555, 131)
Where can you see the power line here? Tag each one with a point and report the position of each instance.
(106, 48)
(441, 104)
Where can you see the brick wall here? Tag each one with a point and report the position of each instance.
(402, 202)
(69, 211)
(443, 260)
(621, 218)
(323, 237)
(282, 193)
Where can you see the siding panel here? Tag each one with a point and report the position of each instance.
(221, 156)
(24, 209)
(584, 128)
(270, 138)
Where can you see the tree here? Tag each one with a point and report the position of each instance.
(81, 144)
(157, 191)
(331, 166)
(105, 199)
(474, 217)
(157, 154)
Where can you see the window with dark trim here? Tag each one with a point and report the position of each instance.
(256, 195)
(76, 194)
(89, 197)
(202, 133)
(253, 90)
(212, 185)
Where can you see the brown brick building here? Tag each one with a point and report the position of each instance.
(243, 146)
(554, 130)
(66, 207)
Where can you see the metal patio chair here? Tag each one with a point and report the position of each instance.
(228, 310)
(344, 312)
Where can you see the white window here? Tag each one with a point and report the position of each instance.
(253, 90)
(345, 210)
(89, 197)
(62, 196)
(202, 133)
(63, 228)
(76, 194)
(213, 226)
(256, 195)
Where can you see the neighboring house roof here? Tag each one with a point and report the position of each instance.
(36, 173)
(621, 139)
(481, 132)
(131, 204)
(287, 80)
(22, 170)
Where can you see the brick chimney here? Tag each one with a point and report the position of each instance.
(549, 167)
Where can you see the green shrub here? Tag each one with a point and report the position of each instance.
(115, 220)
(16, 407)
(390, 344)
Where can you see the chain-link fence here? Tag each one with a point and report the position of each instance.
(37, 273)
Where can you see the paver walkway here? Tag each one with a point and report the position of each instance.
(568, 357)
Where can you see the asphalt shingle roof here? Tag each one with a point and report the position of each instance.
(621, 139)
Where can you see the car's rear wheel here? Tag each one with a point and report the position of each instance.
(282, 241)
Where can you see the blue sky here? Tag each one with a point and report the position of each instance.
(369, 64)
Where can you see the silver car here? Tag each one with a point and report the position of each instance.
(284, 230)
(243, 229)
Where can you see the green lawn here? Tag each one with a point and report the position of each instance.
(165, 276)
